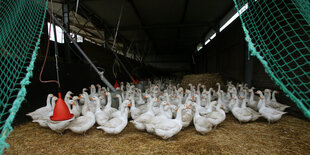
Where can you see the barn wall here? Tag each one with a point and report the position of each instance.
(226, 54)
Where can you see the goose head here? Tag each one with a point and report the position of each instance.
(84, 90)
(260, 93)
(68, 94)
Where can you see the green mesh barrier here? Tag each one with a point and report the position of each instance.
(21, 25)
(278, 34)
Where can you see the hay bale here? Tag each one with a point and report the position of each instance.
(207, 79)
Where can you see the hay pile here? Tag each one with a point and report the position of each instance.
(208, 79)
(288, 136)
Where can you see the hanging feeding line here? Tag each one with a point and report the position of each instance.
(102, 77)
(61, 111)
(113, 48)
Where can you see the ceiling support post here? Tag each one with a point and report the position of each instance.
(248, 68)
(65, 10)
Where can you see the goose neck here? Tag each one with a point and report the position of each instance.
(48, 101)
(109, 100)
(179, 113)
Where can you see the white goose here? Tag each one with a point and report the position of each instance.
(187, 115)
(118, 122)
(92, 91)
(108, 109)
(270, 114)
(67, 97)
(276, 105)
(44, 119)
(225, 100)
(241, 113)
(158, 118)
(75, 106)
(100, 115)
(43, 110)
(218, 115)
(145, 118)
(202, 124)
(167, 128)
(82, 100)
(134, 112)
(255, 114)
(83, 123)
(252, 103)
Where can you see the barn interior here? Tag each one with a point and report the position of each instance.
(139, 40)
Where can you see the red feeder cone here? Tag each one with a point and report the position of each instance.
(116, 84)
(136, 82)
(61, 110)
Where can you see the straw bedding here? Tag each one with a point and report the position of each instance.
(288, 136)
(208, 79)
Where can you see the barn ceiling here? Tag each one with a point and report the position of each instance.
(155, 27)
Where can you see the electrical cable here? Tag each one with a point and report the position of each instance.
(46, 53)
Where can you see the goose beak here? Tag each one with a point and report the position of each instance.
(129, 105)
(91, 98)
(187, 107)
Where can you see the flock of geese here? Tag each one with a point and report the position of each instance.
(163, 109)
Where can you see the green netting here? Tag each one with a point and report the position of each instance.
(21, 24)
(278, 34)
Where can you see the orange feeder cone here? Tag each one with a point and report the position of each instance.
(61, 111)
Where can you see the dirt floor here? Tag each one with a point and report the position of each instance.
(288, 136)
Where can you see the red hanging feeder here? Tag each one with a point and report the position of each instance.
(116, 84)
(61, 110)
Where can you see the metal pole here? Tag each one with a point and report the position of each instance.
(117, 58)
(248, 73)
(56, 55)
(83, 53)
(65, 10)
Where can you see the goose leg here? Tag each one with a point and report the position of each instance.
(215, 127)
